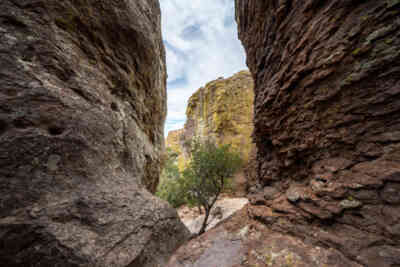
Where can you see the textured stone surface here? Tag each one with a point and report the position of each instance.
(221, 111)
(174, 142)
(82, 107)
(327, 121)
(245, 241)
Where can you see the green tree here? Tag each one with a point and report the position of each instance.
(208, 174)
(170, 187)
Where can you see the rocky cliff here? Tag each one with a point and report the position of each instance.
(327, 122)
(173, 140)
(221, 111)
(82, 107)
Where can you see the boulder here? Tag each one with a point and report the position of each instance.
(82, 109)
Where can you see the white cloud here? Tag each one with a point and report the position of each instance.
(201, 45)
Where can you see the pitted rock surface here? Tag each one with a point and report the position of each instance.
(327, 122)
(82, 107)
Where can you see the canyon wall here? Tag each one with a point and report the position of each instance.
(82, 110)
(221, 111)
(174, 142)
(327, 122)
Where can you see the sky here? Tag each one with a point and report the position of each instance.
(201, 42)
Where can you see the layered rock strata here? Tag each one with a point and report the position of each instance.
(82, 108)
(327, 122)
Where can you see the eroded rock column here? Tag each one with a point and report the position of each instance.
(327, 121)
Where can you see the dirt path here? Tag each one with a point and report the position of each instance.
(222, 209)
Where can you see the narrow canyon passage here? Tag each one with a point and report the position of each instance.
(316, 120)
(324, 181)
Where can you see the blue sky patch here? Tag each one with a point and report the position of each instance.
(201, 43)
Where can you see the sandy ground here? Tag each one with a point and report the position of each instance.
(227, 206)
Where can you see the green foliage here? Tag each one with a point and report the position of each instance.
(208, 173)
(170, 187)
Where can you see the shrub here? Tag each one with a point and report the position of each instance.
(208, 173)
(170, 188)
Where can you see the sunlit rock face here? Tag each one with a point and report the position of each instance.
(82, 110)
(222, 112)
(327, 121)
(174, 144)
(173, 140)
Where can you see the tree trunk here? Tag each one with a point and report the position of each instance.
(200, 210)
(327, 118)
(204, 225)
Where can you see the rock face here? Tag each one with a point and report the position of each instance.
(222, 111)
(327, 121)
(174, 142)
(82, 107)
(244, 241)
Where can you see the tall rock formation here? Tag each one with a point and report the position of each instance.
(82, 107)
(221, 111)
(327, 122)
(173, 140)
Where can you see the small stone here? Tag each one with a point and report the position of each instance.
(270, 192)
(243, 232)
(253, 190)
(391, 193)
(52, 162)
(293, 195)
(217, 212)
(35, 212)
(316, 186)
(350, 204)
(395, 229)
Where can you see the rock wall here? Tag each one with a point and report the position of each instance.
(221, 111)
(82, 108)
(174, 142)
(327, 122)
